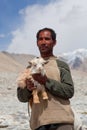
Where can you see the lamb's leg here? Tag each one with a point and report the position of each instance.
(44, 94)
(35, 96)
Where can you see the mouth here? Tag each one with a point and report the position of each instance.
(43, 48)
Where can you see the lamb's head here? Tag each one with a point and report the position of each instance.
(37, 65)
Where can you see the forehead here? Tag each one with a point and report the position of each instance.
(45, 33)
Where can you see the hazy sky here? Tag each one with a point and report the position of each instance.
(21, 19)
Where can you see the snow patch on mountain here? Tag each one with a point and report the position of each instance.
(80, 53)
(76, 58)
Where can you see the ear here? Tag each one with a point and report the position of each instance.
(30, 64)
(46, 61)
(54, 43)
(37, 42)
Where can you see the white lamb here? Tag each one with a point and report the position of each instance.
(36, 66)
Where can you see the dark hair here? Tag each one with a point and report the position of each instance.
(53, 34)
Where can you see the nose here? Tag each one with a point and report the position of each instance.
(40, 68)
(43, 41)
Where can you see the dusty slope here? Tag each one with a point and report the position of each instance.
(9, 64)
(14, 62)
(20, 58)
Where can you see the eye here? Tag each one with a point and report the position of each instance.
(47, 38)
(35, 65)
(42, 64)
(40, 39)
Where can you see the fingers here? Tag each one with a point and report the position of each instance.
(36, 76)
(39, 78)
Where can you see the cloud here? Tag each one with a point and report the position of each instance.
(2, 35)
(68, 19)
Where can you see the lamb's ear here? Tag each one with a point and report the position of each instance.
(37, 57)
(43, 61)
(29, 63)
(46, 61)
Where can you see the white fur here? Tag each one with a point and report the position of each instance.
(21, 80)
(37, 66)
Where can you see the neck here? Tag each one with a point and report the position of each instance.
(46, 55)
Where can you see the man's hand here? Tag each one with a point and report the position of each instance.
(30, 85)
(39, 78)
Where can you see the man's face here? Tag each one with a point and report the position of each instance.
(45, 42)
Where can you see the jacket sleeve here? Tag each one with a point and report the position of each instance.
(23, 94)
(64, 88)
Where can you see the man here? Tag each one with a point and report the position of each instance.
(54, 113)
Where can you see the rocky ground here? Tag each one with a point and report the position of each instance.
(79, 101)
(14, 115)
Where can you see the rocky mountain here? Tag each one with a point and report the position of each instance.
(13, 62)
(76, 59)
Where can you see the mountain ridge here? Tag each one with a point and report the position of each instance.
(77, 60)
(13, 62)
